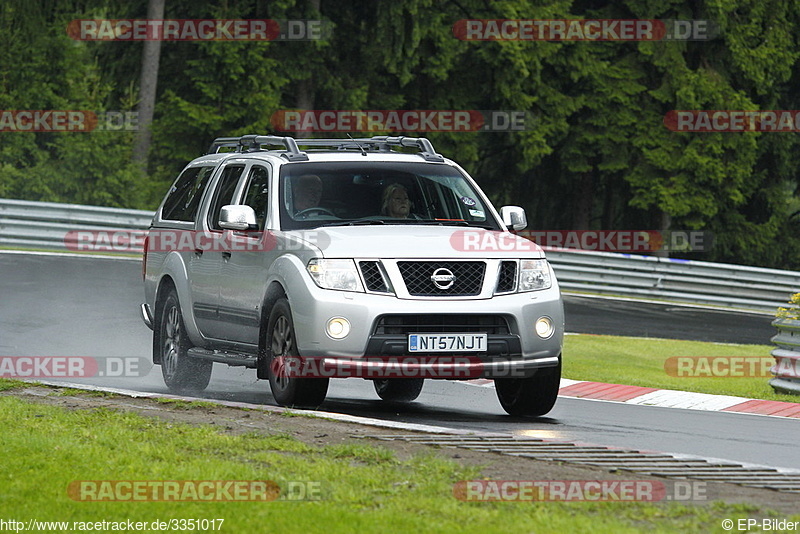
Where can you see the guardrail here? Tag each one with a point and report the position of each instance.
(697, 282)
(55, 226)
(50, 225)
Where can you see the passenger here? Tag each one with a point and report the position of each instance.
(396, 203)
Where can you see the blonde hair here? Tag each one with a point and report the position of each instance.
(387, 194)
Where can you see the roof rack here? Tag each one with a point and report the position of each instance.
(253, 143)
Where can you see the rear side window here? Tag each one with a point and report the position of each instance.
(183, 200)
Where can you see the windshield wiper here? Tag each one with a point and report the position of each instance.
(459, 223)
(422, 222)
(357, 222)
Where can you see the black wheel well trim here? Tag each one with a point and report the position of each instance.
(274, 293)
(164, 285)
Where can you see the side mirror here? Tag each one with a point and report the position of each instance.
(237, 217)
(514, 217)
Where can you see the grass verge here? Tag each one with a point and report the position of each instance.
(642, 362)
(363, 488)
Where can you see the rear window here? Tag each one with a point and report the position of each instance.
(183, 200)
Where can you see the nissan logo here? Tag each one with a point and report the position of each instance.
(443, 278)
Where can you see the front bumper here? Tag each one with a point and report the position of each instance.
(520, 347)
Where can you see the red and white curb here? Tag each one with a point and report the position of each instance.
(668, 398)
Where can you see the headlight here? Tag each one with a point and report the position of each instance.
(533, 275)
(335, 274)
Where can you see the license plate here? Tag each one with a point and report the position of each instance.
(447, 342)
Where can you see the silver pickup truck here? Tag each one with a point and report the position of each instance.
(374, 258)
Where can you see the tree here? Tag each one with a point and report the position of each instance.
(147, 87)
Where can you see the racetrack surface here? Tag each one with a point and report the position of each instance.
(59, 305)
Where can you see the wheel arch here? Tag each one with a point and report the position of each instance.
(275, 291)
(164, 286)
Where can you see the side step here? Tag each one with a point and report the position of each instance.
(231, 358)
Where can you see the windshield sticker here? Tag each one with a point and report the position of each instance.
(477, 213)
(467, 201)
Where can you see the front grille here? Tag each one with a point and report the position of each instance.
(507, 278)
(417, 277)
(373, 276)
(441, 324)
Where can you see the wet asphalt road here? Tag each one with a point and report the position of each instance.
(68, 306)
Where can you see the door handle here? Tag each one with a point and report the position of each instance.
(226, 255)
(198, 252)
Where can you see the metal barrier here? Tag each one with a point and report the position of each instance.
(48, 225)
(697, 282)
(787, 355)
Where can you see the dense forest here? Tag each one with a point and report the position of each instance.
(596, 154)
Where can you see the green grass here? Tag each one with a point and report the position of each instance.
(289, 414)
(363, 488)
(187, 405)
(641, 362)
(71, 392)
(8, 383)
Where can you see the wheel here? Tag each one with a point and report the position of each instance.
(399, 389)
(180, 371)
(304, 214)
(282, 347)
(535, 395)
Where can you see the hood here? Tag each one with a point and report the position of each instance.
(411, 241)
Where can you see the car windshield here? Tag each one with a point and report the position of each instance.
(348, 193)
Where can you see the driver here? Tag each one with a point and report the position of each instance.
(307, 192)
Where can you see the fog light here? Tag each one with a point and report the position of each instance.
(544, 327)
(338, 327)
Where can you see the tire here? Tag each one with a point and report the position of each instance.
(181, 372)
(281, 345)
(531, 396)
(399, 389)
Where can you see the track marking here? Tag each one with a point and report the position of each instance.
(667, 398)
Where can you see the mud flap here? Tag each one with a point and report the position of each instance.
(262, 365)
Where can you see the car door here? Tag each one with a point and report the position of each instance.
(205, 261)
(244, 267)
